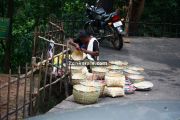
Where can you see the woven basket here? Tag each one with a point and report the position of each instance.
(99, 72)
(85, 95)
(119, 63)
(130, 72)
(96, 84)
(76, 69)
(77, 78)
(145, 85)
(91, 76)
(139, 69)
(115, 68)
(115, 80)
(78, 55)
(114, 91)
(135, 78)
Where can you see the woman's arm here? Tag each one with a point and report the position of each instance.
(71, 42)
(93, 53)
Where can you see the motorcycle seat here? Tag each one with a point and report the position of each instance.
(100, 11)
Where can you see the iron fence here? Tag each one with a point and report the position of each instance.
(144, 29)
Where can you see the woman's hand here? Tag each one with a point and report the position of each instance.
(84, 50)
(77, 47)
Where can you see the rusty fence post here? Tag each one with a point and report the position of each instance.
(17, 93)
(66, 84)
(45, 79)
(24, 101)
(8, 95)
(38, 85)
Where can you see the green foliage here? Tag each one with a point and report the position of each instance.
(167, 11)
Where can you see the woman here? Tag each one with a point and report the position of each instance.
(86, 44)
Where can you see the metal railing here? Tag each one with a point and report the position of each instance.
(144, 29)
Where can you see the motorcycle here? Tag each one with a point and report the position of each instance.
(104, 26)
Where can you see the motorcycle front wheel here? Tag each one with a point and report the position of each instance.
(112, 35)
(109, 34)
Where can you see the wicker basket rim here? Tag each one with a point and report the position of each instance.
(92, 84)
(135, 68)
(118, 62)
(78, 55)
(93, 89)
(136, 77)
(131, 71)
(99, 69)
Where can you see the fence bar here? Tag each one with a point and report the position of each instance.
(38, 85)
(30, 93)
(45, 79)
(66, 71)
(50, 81)
(25, 83)
(60, 83)
(8, 95)
(17, 93)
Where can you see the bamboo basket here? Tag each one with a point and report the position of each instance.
(115, 80)
(77, 78)
(96, 84)
(115, 68)
(139, 69)
(78, 55)
(135, 78)
(130, 72)
(85, 95)
(99, 72)
(79, 69)
(114, 91)
(119, 63)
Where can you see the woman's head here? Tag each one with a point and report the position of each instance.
(84, 36)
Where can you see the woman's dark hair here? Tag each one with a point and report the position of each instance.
(82, 34)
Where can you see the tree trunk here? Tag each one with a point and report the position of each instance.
(135, 11)
(7, 58)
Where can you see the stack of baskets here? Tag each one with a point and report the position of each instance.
(115, 84)
(99, 72)
(134, 74)
(78, 74)
(114, 80)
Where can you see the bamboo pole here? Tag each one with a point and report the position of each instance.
(17, 92)
(60, 83)
(45, 79)
(51, 73)
(38, 85)
(25, 83)
(8, 95)
(30, 93)
(51, 41)
(66, 81)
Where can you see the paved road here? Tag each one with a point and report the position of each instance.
(140, 110)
